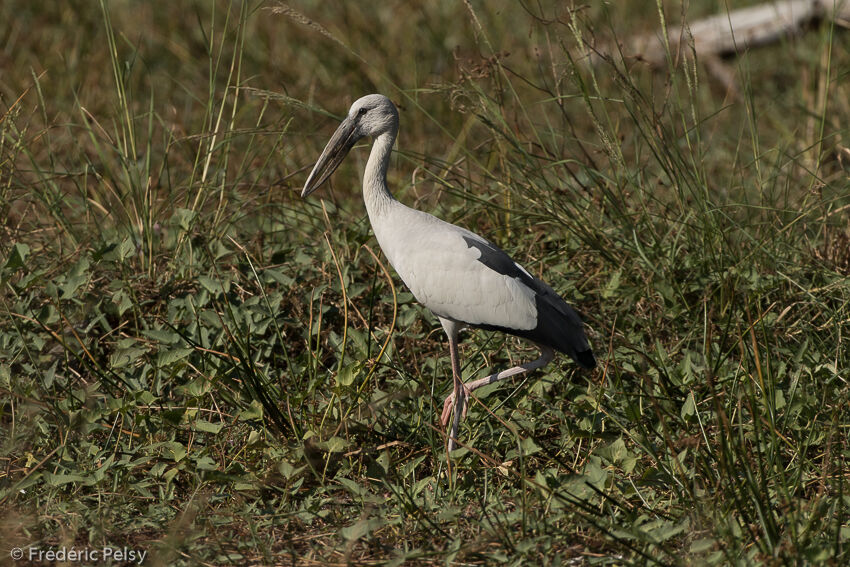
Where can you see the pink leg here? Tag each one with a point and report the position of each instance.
(458, 393)
(546, 357)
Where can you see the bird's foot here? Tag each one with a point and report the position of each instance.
(448, 404)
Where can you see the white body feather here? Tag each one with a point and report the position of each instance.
(441, 270)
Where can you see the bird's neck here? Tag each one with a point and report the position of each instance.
(375, 192)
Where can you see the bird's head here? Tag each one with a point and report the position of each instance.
(371, 115)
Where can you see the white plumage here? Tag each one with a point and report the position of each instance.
(455, 286)
(462, 278)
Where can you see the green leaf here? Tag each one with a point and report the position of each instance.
(668, 529)
(176, 450)
(122, 301)
(278, 276)
(120, 251)
(287, 470)
(164, 336)
(125, 357)
(360, 528)
(253, 411)
(62, 479)
(335, 444)
(348, 374)
(206, 463)
(17, 256)
(612, 285)
(528, 446)
(779, 400)
(198, 387)
(169, 356)
(354, 488)
(211, 285)
(207, 427)
(689, 408)
(615, 452)
(594, 474)
(183, 218)
(702, 545)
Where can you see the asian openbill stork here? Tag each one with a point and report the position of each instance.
(465, 280)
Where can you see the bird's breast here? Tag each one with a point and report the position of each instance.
(445, 273)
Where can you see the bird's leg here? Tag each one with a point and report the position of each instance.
(546, 357)
(459, 393)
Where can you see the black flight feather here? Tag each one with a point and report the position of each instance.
(558, 325)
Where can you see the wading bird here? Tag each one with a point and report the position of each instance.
(465, 280)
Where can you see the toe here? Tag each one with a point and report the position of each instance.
(447, 410)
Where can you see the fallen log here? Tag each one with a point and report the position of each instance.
(737, 30)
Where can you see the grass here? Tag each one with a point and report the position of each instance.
(196, 363)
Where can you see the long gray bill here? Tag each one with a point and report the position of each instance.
(335, 151)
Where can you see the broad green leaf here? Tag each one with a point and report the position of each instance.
(207, 427)
(183, 218)
(689, 407)
(702, 545)
(165, 336)
(206, 463)
(174, 450)
(253, 411)
(335, 444)
(211, 285)
(360, 528)
(171, 355)
(61, 479)
(348, 374)
(528, 446)
(17, 256)
(613, 284)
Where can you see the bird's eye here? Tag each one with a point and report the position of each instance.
(362, 111)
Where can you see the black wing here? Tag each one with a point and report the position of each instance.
(558, 325)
